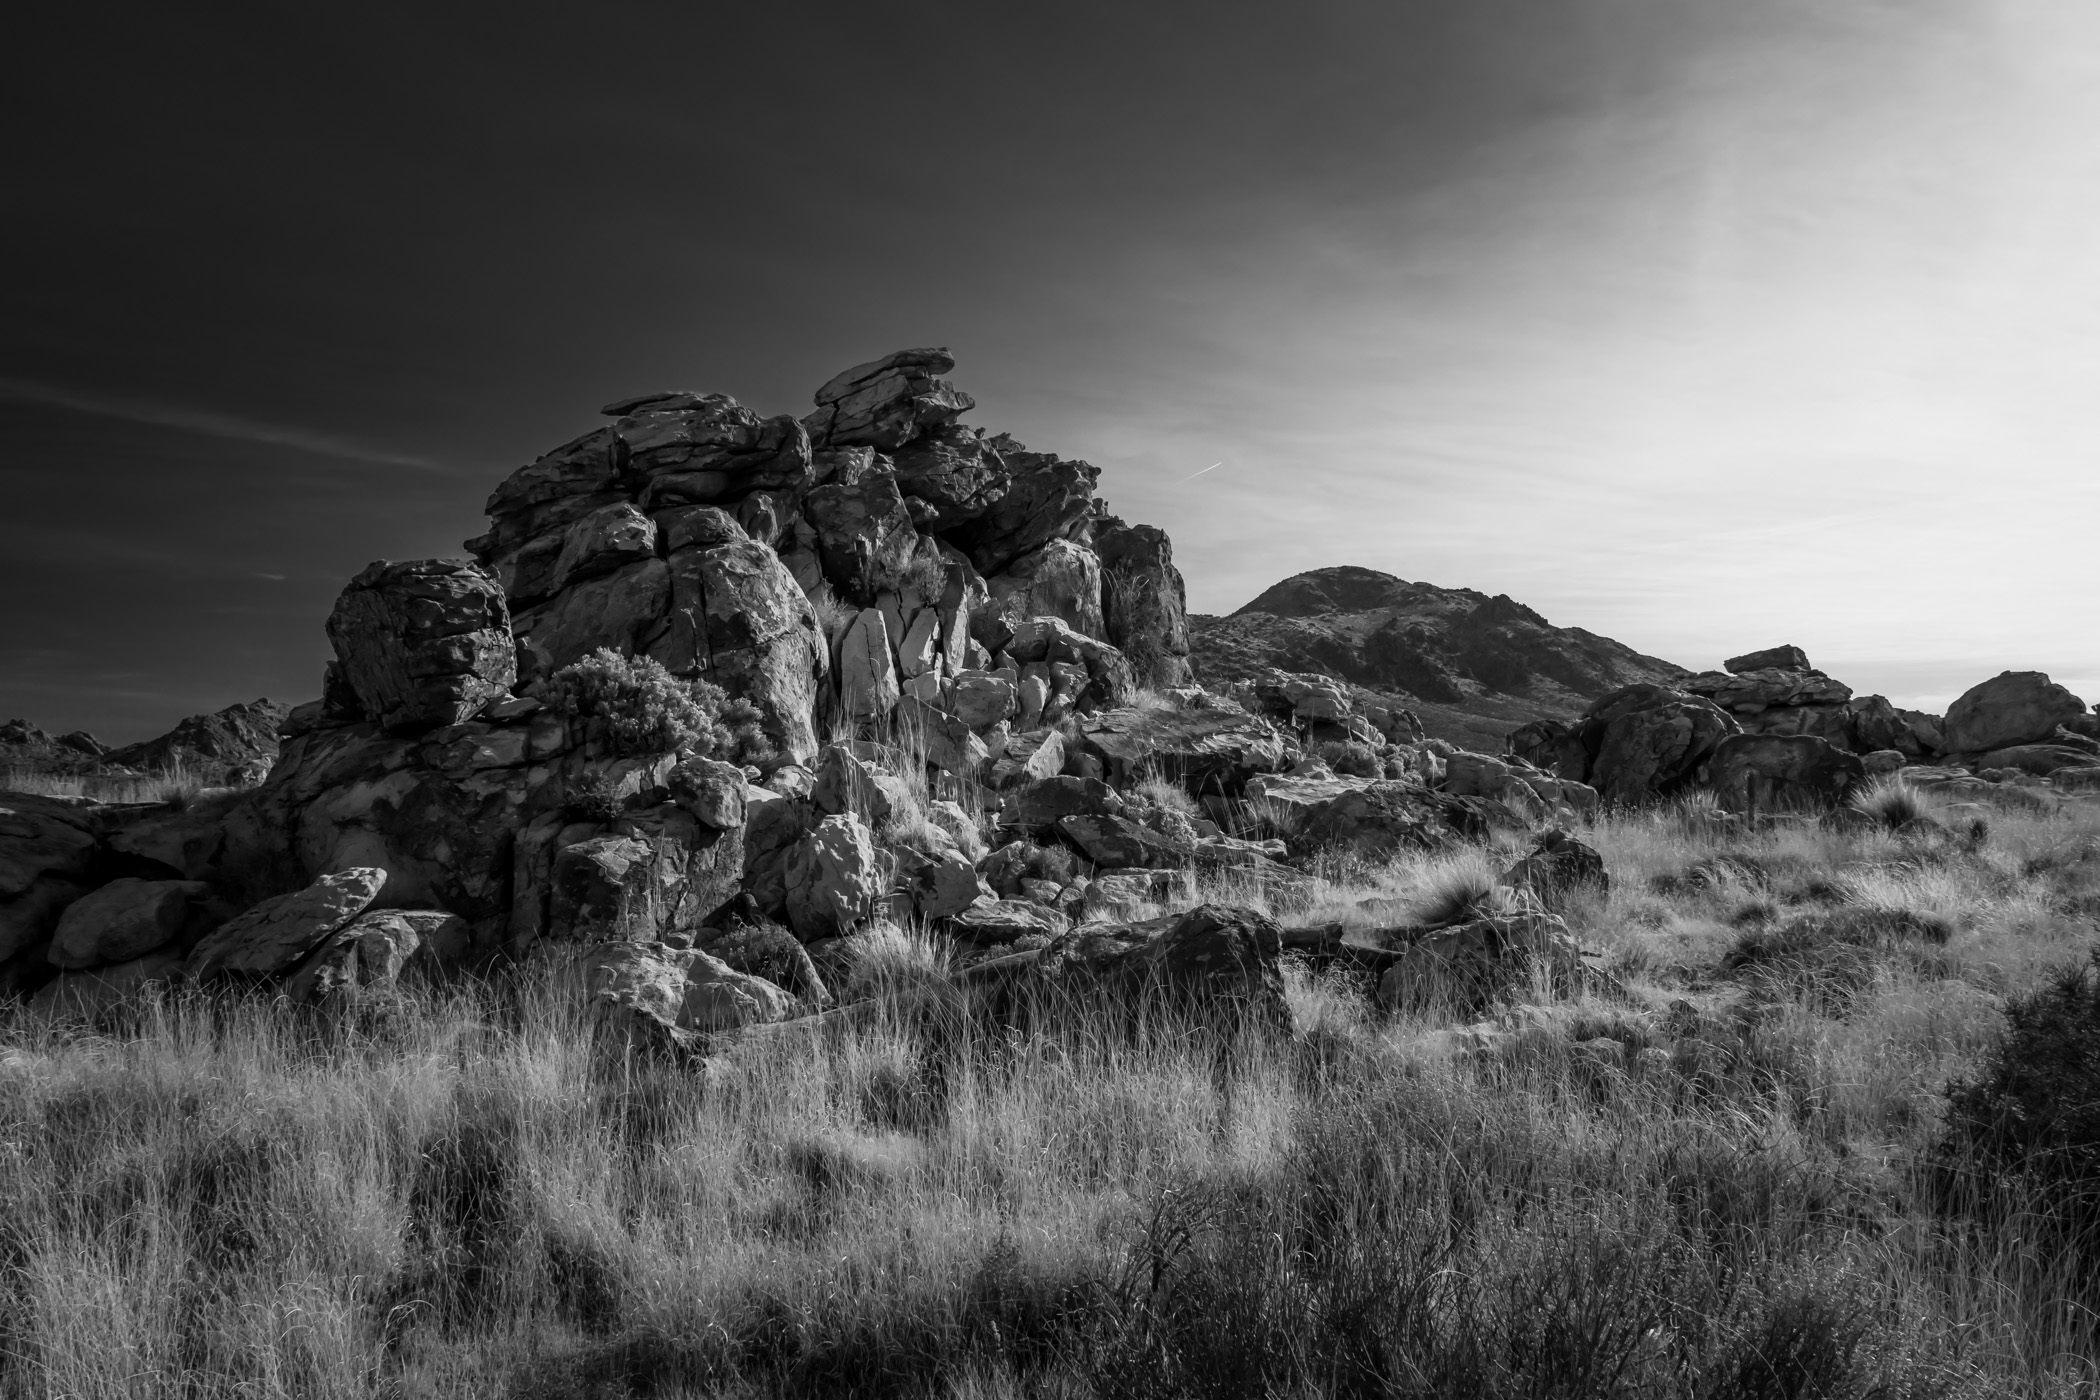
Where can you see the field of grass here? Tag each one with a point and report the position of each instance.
(1715, 1175)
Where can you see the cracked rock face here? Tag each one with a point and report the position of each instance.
(423, 643)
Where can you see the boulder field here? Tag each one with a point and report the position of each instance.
(718, 697)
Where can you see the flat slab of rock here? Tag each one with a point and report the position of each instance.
(277, 933)
(1116, 843)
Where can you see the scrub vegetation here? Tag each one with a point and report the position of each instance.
(1822, 1127)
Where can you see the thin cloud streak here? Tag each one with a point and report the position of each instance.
(211, 424)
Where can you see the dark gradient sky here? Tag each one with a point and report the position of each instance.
(1636, 309)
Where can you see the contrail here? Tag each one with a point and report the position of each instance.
(221, 425)
(1193, 475)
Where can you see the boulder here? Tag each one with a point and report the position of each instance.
(1388, 815)
(867, 675)
(1218, 965)
(1470, 965)
(1752, 773)
(1556, 867)
(764, 949)
(1048, 498)
(1770, 659)
(31, 917)
(1062, 579)
(373, 950)
(946, 885)
(1116, 842)
(609, 538)
(423, 643)
(945, 740)
(846, 782)
(1143, 601)
(1029, 758)
(125, 919)
(622, 610)
(607, 889)
(833, 880)
(277, 933)
(1552, 746)
(2012, 708)
(712, 792)
(864, 535)
(887, 403)
(676, 994)
(1116, 894)
(980, 699)
(1648, 741)
(773, 826)
(949, 475)
(1215, 749)
(1046, 801)
(1882, 762)
(737, 618)
(1748, 692)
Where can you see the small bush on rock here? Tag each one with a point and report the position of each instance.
(641, 708)
(1349, 758)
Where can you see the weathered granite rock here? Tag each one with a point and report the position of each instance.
(1777, 773)
(737, 618)
(864, 535)
(2042, 760)
(887, 403)
(28, 919)
(1394, 815)
(1215, 749)
(1116, 842)
(1770, 659)
(125, 919)
(677, 994)
(847, 782)
(712, 792)
(1049, 800)
(947, 741)
(610, 537)
(1144, 602)
(623, 610)
(1061, 579)
(373, 951)
(277, 933)
(1029, 758)
(1648, 741)
(1049, 498)
(834, 882)
(91, 993)
(234, 746)
(1748, 692)
(949, 475)
(1007, 921)
(948, 884)
(423, 643)
(41, 838)
(2013, 707)
(1218, 965)
(980, 699)
(868, 686)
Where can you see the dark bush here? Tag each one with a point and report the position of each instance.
(2031, 1120)
(640, 708)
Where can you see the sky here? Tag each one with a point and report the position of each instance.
(1703, 324)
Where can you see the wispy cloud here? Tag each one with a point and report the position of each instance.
(209, 423)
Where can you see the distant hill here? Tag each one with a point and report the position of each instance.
(1473, 667)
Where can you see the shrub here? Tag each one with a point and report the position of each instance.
(2032, 1118)
(1459, 890)
(927, 577)
(641, 709)
(1167, 795)
(1347, 756)
(1893, 804)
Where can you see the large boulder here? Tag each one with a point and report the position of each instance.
(676, 994)
(623, 610)
(1116, 842)
(1144, 602)
(1749, 692)
(1216, 748)
(423, 643)
(277, 933)
(1646, 741)
(1062, 579)
(1776, 773)
(48, 851)
(867, 669)
(949, 475)
(1214, 964)
(864, 535)
(738, 619)
(1787, 658)
(1390, 815)
(887, 403)
(125, 919)
(2013, 707)
(834, 881)
(1049, 499)
(372, 951)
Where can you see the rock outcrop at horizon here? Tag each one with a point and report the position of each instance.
(233, 747)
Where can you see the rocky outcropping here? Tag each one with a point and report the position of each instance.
(2013, 707)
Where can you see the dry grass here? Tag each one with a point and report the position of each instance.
(173, 786)
(1706, 1185)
